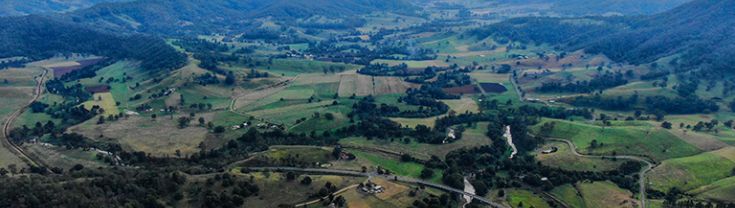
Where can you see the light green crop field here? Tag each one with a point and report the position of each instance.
(688, 173)
(655, 143)
(519, 198)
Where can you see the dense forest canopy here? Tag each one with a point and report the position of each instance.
(24, 7)
(39, 37)
(586, 7)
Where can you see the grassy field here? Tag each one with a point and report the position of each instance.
(63, 157)
(688, 173)
(275, 190)
(293, 67)
(519, 198)
(472, 137)
(158, 137)
(598, 194)
(565, 159)
(105, 101)
(655, 143)
(372, 160)
(293, 156)
(721, 190)
(604, 194)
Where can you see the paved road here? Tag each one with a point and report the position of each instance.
(642, 178)
(388, 177)
(9, 123)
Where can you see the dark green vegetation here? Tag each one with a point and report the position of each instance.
(23, 7)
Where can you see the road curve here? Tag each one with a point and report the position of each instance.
(388, 177)
(642, 174)
(9, 123)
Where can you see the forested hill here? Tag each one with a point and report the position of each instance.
(175, 17)
(599, 7)
(39, 37)
(699, 31)
(24, 7)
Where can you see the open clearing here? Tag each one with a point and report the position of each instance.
(655, 143)
(14, 93)
(471, 137)
(105, 101)
(721, 190)
(598, 194)
(565, 159)
(688, 173)
(519, 198)
(363, 85)
(158, 137)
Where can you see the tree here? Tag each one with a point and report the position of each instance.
(329, 116)
(666, 125)
(290, 176)
(306, 180)
(427, 173)
(480, 188)
(230, 79)
(184, 122)
(153, 116)
(219, 129)
(201, 121)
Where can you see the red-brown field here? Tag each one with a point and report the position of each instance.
(493, 87)
(467, 89)
(61, 70)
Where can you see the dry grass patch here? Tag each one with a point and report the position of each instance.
(105, 101)
(158, 137)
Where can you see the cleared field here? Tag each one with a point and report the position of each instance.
(158, 137)
(472, 137)
(413, 122)
(519, 198)
(655, 143)
(413, 64)
(63, 157)
(688, 173)
(721, 190)
(363, 85)
(275, 190)
(565, 159)
(292, 67)
(569, 195)
(604, 194)
(292, 156)
(392, 163)
(463, 105)
(288, 115)
(104, 100)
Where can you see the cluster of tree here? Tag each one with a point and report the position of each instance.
(86, 71)
(380, 69)
(19, 63)
(600, 82)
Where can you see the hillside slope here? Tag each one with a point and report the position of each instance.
(699, 31)
(24, 7)
(37, 38)
(193, 16)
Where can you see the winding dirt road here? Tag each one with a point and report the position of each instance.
(9, 123)
(642, 174)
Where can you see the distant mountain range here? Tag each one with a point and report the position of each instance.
(204, 17)
(25, 7)
(601, 7)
